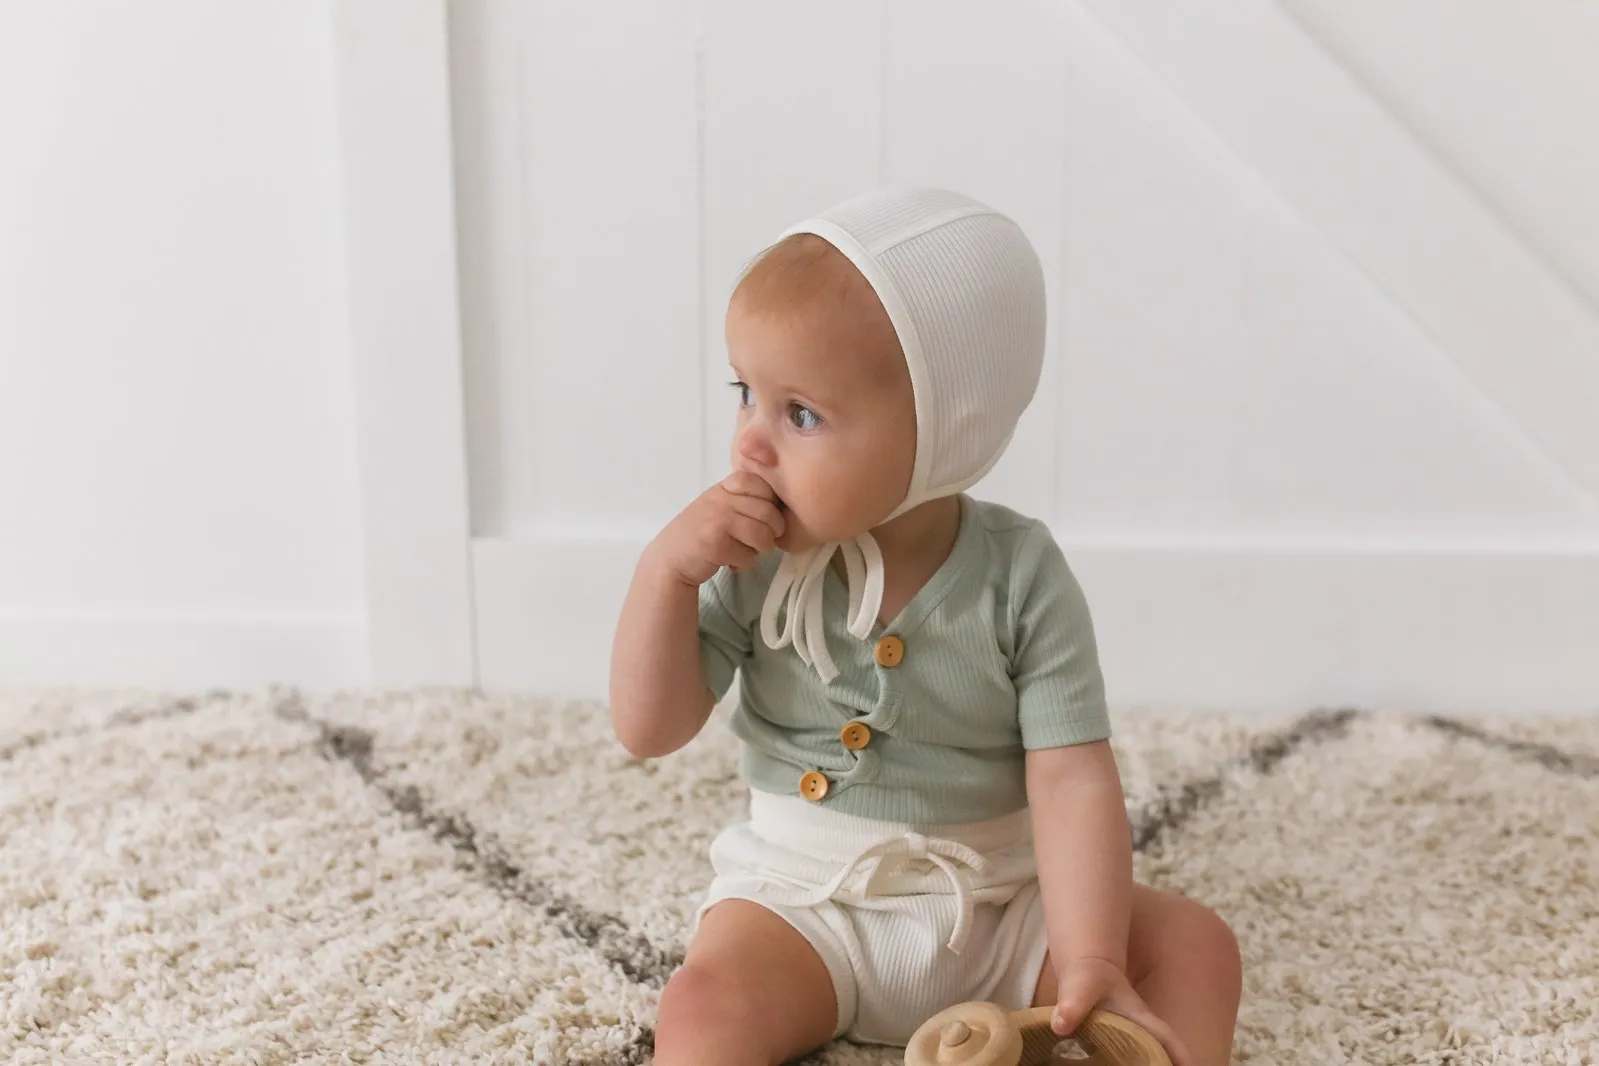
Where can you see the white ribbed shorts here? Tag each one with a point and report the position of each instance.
(908, 920)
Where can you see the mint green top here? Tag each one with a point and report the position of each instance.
(999, 659)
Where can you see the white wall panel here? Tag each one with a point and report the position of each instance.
(1229, 374)
(791, 125)
(979, 105)
(1317, 420)
(1395, 210)
(1503, 94)
(180, 498)
(592, 395)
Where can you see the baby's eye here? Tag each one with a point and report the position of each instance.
(743, 391)
(803, 417)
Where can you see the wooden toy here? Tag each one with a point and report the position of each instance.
(983, 1034)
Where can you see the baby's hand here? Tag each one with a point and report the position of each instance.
(729, 524)
(1087, 983)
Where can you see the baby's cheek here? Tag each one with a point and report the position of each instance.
(796, 537)
(808, 530)
(836, 500)
(798, 518)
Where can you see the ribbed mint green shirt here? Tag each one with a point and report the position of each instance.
(999, 659)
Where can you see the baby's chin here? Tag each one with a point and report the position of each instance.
(796, 538)
(796, 541)
(799, 535)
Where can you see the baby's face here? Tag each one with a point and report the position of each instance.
(826, 416)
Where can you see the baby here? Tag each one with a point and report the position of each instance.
(935, 812)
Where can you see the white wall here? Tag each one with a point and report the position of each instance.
(178, 481)
(1317, 426)
(1318, 423)
(1506, 94)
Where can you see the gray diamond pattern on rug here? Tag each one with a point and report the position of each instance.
(437, 876)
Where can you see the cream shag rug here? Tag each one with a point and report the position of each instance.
(449, 878)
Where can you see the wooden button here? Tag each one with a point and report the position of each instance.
(890, 651)
(855, 736)
(813, 786)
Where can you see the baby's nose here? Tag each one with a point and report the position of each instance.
(753, 451)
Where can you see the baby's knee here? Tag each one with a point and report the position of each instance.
(701, 997)
(1210, 938)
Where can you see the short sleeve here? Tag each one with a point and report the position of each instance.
(725, 640)
(1060, 690)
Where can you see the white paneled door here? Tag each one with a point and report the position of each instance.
(1320, 418)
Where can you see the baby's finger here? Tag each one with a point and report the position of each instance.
(738, 556)
(751, 532)
(1079, 993)
(744, 483)
(762, 511)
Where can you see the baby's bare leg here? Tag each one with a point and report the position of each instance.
(1183, 960)
(752, 992)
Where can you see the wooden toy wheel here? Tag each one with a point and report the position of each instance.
(967, 1034)
(982, 1034)
(1108, 1039)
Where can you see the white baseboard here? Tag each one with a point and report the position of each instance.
(174, 651)
(1417, 627)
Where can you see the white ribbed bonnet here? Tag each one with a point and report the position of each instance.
(965, 293)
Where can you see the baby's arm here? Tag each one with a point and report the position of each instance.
(1084, 849)
(660, 697)
(1081, 836)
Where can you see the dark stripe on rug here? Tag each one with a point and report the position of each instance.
(1546, 755)
(606, 934)
(1172, 810)
(125, 718)
(636, 1052)
(641, 1050)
